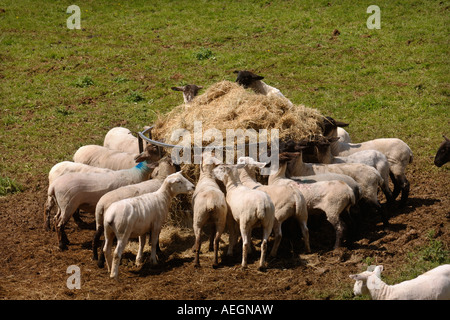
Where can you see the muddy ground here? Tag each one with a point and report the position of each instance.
(32, 266)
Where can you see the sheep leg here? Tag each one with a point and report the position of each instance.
(140, 255)
(121, 243)
(212, 237)
(47, 209)
(77, 218)
(96, 242)
(155, 238)
(232, 226)
(197, 244)
(397, 187)
(278, 235)
(219, 230)
(246, 234)
(262, 261)
(109, 237)
(305, 233)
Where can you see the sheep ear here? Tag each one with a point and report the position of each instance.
(357, 277)
(236, 71)
(447, 139)
(199, 87)
(378, 270)
(256, 77)
(177, 89)
(342, 124)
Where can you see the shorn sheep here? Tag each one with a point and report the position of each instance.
(288, 201)
(397, 152)
(102, 157)
(332, 197)
(209, 205)
(248, 79)
(162, 170)
(135, 217)
(122, 139)
(443, 154)
(432, 285)
(74, 191)
(366, 176)
(189, 92)
(371, 158)
(249, 208)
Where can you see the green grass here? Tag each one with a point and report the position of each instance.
(9, 186)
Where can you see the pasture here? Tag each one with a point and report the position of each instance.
(63, 88)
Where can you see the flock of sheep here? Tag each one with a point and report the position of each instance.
(132, 200)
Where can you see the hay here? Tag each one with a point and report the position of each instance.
(226, 105)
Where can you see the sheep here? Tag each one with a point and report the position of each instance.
(288, 201)
(60, 169)
(397, 152)
(248, 79)
(102, 157)
(69, 167)
(122, 139)
(164, 168)
(371, 158)
(209, 204)
(135, 217)
(247, 208)
(332, 197)
(432, 285)
(443, 153)
(367, 177)
(82, 190)
(343, 135)
(189, 92)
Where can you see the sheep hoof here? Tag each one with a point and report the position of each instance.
(262, 269)
(215, 265)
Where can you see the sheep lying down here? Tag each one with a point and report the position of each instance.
(432, 285)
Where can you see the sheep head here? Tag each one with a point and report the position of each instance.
(189, 91)
(367, 280)
(150, 154)
(246, 78)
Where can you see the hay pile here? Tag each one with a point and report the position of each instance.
(226, 105)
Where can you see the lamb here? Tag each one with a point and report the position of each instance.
(397, 152)
(248, 79)
(247, 208)
(189, 92)
(122, 139)
(432, 285)
(135, 217)
(209, 204)
(164, 168)
(443, 153)
(371, 158)
(78, 190)
(332, 197)
(102, 157)
(288, 201)
(343, 135)
(367, 177)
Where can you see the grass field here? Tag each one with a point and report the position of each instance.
(62, 88)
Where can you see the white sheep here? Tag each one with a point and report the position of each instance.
(122, 139)
(366, 176)
(432, 285)
(371, 158)
(397, 152)
(248, 208)
(343, 135)
(65, 167)
(190, 91)
(60, 169)
(162, 170)
(82, 190)
(209, 205)
(102, 157)
(332, 197)
(248, 79)
(288, 201)
(135, 217)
